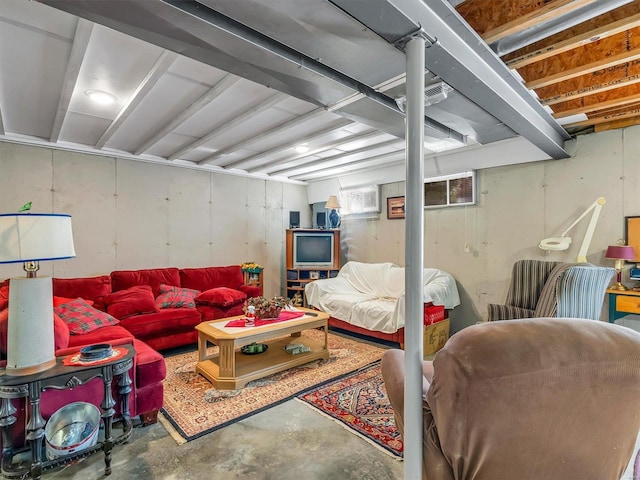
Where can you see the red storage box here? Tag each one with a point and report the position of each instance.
(433, 314)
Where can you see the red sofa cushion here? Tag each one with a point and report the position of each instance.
(114, 335)
(88, 288)
(166, 322)
(150, 366)
(82, 318)
(221, 297)
(136, 300)
(209, 312)
(154, 277)
(4, 297)
(250, 290)
(60, 331)
(210, 277)
(176, 297)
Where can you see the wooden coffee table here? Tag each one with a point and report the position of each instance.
(231, 369)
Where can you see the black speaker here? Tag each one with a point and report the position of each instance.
(294, 219)
(321, 219)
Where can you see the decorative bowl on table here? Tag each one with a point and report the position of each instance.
(95, 352)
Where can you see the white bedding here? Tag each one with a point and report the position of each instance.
(371, 295)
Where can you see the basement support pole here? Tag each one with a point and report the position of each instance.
(414, 259)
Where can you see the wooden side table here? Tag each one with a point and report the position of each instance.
(254, 278)
(622, 303)
(62, 377)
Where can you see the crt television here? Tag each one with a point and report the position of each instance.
(313, 250)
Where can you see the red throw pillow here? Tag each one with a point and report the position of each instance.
(81, 317)
(176, 297)
(60, 300)
(221, 297)
(4, 297)
(60, 333)
(136, 300)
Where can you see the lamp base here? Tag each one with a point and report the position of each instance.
(30, 337)
(618, 286)
(30, 370)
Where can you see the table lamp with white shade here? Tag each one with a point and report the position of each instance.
(30, 238)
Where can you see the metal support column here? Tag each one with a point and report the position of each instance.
(414, 259)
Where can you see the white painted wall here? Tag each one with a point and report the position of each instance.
(130, 215)
(517, 206)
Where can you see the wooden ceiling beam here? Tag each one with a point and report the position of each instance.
(634, 112)
(608, 62)
(618, 102)
(621, 13)
(545, 13)
(625, 122)
(575, 42)
(591, 90)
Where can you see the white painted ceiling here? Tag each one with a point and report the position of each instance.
(175, 109)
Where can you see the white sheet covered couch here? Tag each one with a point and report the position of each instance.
(371, 295)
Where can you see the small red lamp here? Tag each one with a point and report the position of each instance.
(620, 253)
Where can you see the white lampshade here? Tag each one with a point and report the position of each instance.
(32, 237)
(333, 202)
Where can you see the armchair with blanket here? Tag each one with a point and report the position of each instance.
(531, 399)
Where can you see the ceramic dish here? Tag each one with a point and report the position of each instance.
(254, 348)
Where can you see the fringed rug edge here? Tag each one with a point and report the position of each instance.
(351, 430)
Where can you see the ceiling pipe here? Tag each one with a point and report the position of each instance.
(551, 27)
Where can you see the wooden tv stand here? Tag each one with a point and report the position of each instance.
(289, 244)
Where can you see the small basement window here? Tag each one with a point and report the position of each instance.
(450, 190)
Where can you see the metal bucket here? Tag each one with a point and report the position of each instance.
(71, 429)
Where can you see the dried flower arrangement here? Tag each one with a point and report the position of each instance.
(266, 307)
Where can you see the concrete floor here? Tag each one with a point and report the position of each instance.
(289, 441)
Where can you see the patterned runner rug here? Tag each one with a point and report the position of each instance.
(193, 407)
(359, 401)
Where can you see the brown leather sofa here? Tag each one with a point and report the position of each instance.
(540, 398)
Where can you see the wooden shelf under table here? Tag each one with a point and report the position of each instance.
(230, 369)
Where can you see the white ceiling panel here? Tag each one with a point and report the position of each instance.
(83, 129)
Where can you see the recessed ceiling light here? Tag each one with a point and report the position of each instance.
(101, 97)
(302, 148)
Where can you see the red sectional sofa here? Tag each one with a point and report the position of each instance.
(155, 309)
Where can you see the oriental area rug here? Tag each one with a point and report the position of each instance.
(359, 401)
(193, 407)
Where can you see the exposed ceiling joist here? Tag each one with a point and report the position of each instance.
(582, 67)
(219, 88)
(157, 71)
(237, 121)
(78, 51)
